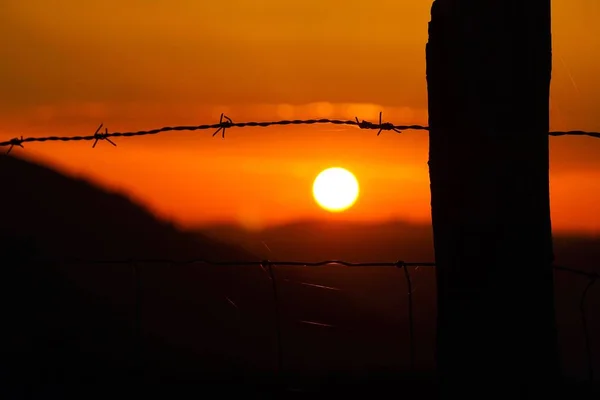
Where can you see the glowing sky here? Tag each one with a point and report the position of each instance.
(136, 64)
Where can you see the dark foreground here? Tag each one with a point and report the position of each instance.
(421, 387)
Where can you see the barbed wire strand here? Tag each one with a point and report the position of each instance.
(268, 266)
(225, 123)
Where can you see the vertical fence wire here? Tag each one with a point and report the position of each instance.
(411, 321)
(277, 313)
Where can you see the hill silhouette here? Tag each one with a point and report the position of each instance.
(78, 320)
(311, 240)
(67, 217)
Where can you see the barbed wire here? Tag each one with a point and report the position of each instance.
(226, 123)
(269, 267)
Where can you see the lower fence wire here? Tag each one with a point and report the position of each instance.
(268, 266)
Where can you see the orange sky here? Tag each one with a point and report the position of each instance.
(68, 65)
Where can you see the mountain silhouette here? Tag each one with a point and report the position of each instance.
(98, 321)
(312, 240)
(70, 218)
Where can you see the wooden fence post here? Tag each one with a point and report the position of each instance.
(488, 74)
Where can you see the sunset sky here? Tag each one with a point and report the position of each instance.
(68, 65)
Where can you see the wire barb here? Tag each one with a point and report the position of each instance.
(15, 142)
(223, 125)
(382, 126)
(102, 136)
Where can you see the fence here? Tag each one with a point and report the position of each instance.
(269, 268)
(226, 123)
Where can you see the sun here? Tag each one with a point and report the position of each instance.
(335, 189)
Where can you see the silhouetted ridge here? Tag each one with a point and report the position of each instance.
(67, 217)
(313, 240)
(76, 322)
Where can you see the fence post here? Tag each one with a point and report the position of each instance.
(488, 74)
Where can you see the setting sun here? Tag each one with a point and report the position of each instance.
(335, 189)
